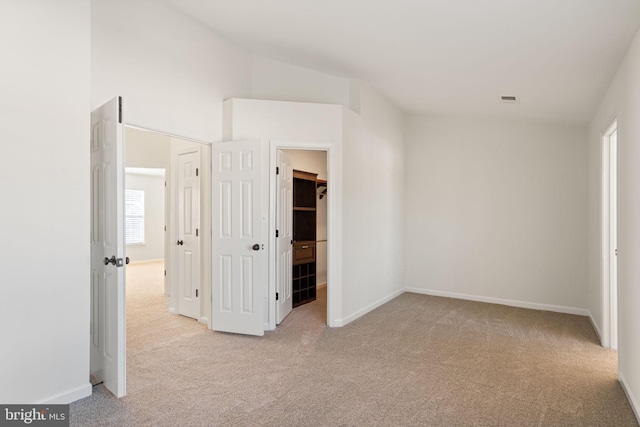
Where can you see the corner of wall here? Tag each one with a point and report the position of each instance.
(68, 396)
(595, 326)
(361, 312)
(635, 405)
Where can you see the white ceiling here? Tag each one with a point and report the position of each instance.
(444, 57)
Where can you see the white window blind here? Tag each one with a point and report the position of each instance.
(134, 217)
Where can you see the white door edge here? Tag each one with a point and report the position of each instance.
(108, 318)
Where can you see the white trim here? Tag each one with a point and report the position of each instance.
(171, 135)
(369, 308)
(204, 320)
(146, 261)
(632, 399)
(607, 258)
(67, 396)
(512, 303)
(490, 300)
(595, 327)
(321, 285)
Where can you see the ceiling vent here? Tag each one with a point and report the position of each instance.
(509, 99)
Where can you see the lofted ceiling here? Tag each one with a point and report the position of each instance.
(444, 57)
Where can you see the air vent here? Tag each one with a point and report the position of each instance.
(509, 99)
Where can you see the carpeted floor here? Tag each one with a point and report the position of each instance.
(416, 361)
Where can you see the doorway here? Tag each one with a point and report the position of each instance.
(309, 164)
(314, 159)
(610, 237)
(155, 284)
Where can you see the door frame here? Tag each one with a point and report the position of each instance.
(609, 239)
(334, 255)
(170, 256)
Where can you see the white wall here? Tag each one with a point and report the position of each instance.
(299, 123)
(309, 161)
(154, 216)
(172, 72)
(278, 81)
(44, 178)
(285, 121)
(373, 202)
(621, 102)
(369, 162)
(144, 149)
(497, 210)
(316, 162)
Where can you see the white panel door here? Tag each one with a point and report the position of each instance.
(238, 255)
(188, 233)
(107, 248)
(284, 241)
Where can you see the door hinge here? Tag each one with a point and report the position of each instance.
(165, 272)
(196, 171)
(196, 232)
(276, 296)
(119, 109)
(165, 228)
(277, 233)
(196, 293)
(165, 183)
(277, 170)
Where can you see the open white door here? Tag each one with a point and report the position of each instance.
(188, 226)
(107, 248)
(284, 233)
(238, 255)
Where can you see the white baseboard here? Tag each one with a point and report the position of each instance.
(172, 310)
(595, 327)
(632, 399)
(146, 261)
(204, 320)
(67, 396)
(367, 309)
(321, 285)
(512, 303)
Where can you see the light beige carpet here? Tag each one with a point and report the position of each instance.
(416, 361)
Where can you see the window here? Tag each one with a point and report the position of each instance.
(134, 217)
